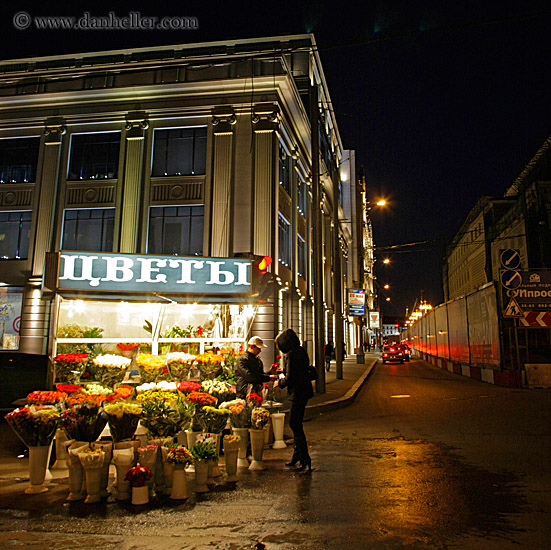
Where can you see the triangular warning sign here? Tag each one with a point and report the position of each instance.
(513, 309)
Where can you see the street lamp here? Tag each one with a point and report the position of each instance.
(386, 261)
(381, 202)
(386, 287)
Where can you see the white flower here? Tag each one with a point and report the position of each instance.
(179, 357)
(111, 360)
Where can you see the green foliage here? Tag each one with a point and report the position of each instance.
(72, 330)
(204, 451)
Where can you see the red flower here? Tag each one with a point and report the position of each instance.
(68, 388)
(199, 330)
(278, 356)
(189, 386)
(255, 398)
(265, 384)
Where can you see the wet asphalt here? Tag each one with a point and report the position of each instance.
(422, 459)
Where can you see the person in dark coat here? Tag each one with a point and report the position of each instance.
(296, 378)
(249, 371)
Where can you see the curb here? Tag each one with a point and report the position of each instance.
(347, 399)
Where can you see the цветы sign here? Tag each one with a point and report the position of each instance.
(137, 273)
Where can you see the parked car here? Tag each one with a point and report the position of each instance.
(407, 351)
(393, 352)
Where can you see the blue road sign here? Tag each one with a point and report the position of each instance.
(511, 279)
(510, 258)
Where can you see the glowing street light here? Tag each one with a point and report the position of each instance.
(386, 287)
(381, 202)
(388, 299)
(386, 261)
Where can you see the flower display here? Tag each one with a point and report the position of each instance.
(201, 398)
(85, 419)
(259, 417)
(45, 397)
(97, 389)
(229, 438)
(151, 367)
(138, 476)
(187, 386)
(121, 393)
(179, 455)
(34, 425)
(240, 413)
(209, 364)
(204, 450)
(255, 399)
(128, 347)
(123, 420)
(212, 420)
(163, 385)
(91, 458)
(164, 413)
(69, 367)
(111, 369)
(179, 364)
(68, 388)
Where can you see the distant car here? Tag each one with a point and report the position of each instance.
(393, 352)
(407, 352)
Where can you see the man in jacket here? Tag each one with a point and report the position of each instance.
(249, 371)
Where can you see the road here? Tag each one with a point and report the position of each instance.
(423, 459)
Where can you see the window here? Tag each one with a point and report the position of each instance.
(340, 192)
(285, 167)
(284, 241)
(90, 230)
(15, 228)
(301, 267)
(301, 197)
(18, 160)
(94, 156)
(180, 152)
(176, 230)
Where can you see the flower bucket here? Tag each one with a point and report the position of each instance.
(179, 483)
(60, 450)
(257, 449)
(148, 458)
(38, 462)
(77, 482)
(242, 461)
(201, 475)
(123, 459)
(278, 423)
(231, 451)
(107, 448)
(140, 495)
(93, 465)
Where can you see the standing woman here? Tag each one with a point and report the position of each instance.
(296, 379)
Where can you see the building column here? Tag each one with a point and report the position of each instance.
(136, 125)
(263, 325)
(222, 179)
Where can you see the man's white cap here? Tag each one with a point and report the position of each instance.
(257, 341)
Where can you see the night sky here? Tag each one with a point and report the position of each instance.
(443, 101)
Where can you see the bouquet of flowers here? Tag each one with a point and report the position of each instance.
(228, 369)
(254, 399)
(45, 397)
(164, 413)
(69, 367)
(35, 426)
(163, 385)
(179, 455)
(121, 393)
(123, 420)
(204, 450)
(221, 390)
(138, 476)
(209, 364)
(259, 418)
(84, 418)
(187, 386)
(201, 399)
(97, 389)
(151, 367)
(110, 369)
(128, 350)
(91, 458)
(240, 413)
(231, 442)
(212, 420)
(68, 388)
(179, 364)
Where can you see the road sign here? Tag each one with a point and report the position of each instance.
(513, 309)
(374, 320)
(511, 279)
(536, 319)
(510, 258)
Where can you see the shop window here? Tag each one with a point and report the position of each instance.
(18, 160)
(285, 167)
(176, 230)
(94, 156)
(180, 152)
(284, 241)
(15, 228)
(301, 267)
(301, 197)
(90, 230)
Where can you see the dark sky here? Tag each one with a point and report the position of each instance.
(444, 101)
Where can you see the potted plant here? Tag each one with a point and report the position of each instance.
(203, 452)
(138, 476)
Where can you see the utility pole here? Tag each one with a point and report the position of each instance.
(319, 320)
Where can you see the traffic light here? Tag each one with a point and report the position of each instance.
(263, 281)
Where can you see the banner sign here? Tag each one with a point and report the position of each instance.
(531, 288)
(356, 301)
(164, 274)
(374, 319)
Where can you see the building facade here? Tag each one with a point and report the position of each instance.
(200, 152)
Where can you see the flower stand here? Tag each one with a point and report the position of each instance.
(107, 448)
(243, 433)
(179, 483)
(168, 470)
(124, 460)
(93, 465)
(140, 495)
(257, 448)
(60, 450)
(76, 473)
(201, 474)
(231, 450)
(38, 463)
(278, 423)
